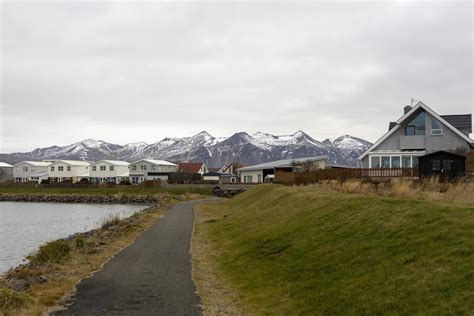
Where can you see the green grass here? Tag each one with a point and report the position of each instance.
(127, 190)
(307, 250)
(52, 252)
(11, 300)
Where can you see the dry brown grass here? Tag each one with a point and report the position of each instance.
(218, 297)
(458, 192)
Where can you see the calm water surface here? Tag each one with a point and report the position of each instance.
(26, 226)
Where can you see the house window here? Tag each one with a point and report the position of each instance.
(436, 127)
(248, 179)
(375, 162)
(134, 167)
(416, 126)
(102, 168)
(153, 167)
(410, 130)
(447, 165)
(406, 162)
(25, 169)
(385, 162)
(396, 162)
(68, 168)
(143, 167)
(111, 168)
(414, 161)
(60, 168)
(94, 168)
(52, 168)
(436, 164)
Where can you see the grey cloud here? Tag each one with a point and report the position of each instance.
(146, 70)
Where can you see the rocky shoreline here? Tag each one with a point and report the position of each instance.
(82, 198)
(20, 278)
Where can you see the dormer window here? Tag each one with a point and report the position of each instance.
(436, 127)
(416, 126)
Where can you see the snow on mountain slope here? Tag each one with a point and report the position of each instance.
(242, 147)
(297, 138)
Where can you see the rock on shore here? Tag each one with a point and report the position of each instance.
(225, 192)
(82, 198)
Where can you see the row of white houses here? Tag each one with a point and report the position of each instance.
(104, 171)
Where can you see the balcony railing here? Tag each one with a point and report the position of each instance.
(412, 142)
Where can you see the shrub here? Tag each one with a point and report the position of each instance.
(11, 300)
(82, 243)
(110, 220)
(52, 252)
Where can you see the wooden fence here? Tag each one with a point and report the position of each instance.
(344, 174)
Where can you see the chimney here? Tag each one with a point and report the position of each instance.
(407, 109)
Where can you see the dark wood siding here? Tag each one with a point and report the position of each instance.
(443, 164)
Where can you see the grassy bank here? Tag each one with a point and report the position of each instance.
(310, 250)
(125, 190)
(57, 266)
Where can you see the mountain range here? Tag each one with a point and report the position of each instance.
(215, 152)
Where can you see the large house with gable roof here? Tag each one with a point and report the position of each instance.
(418, 132)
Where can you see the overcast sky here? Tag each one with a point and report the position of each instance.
(128, 71)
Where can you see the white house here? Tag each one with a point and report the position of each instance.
(211, 176)
(31, 171)
(6, 172)
(109, 171)
(69, 170)
(265, 172)
(150, 169)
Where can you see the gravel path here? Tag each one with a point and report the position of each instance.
(150, 277)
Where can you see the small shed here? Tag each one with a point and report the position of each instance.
(228, 178)
(444, 164)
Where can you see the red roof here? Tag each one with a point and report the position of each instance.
(191, 167)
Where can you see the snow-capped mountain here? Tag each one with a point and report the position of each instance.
(240, 147)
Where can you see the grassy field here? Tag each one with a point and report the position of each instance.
(128, 190)
(309, 250)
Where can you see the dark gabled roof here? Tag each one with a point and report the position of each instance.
(391, 125)
(460, 121)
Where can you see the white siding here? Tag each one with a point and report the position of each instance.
(25, 171)
(61, 171)
(107, 172)
(252, 176)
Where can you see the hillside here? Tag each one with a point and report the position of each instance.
(215, 152)
(307, 250)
